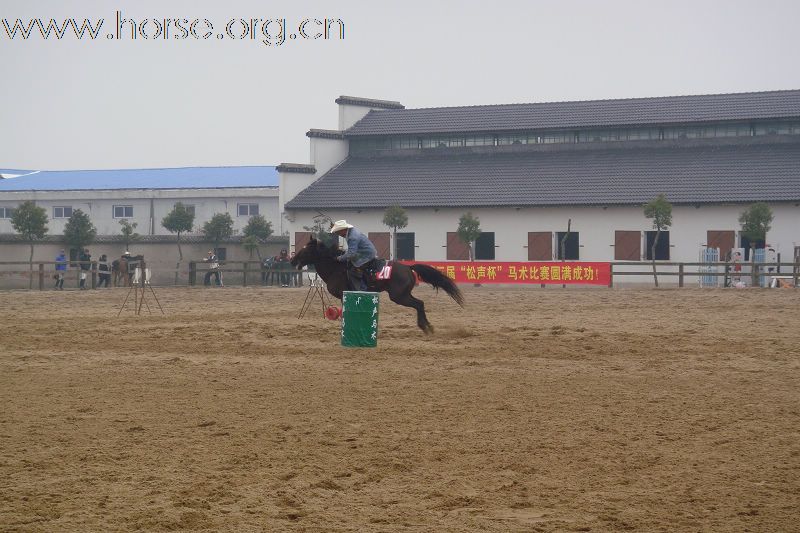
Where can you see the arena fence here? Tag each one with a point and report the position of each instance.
(18, 275)
(751, 274)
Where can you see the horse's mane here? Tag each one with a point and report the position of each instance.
(329, 252)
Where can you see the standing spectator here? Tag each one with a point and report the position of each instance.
(105, 272)
(211, 259)
(737, 267)
(297, 277)
(282, 263)
(61, 269)
(85, 262)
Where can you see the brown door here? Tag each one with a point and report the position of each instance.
(301, 238)
(627, 246)
(722, 239)
(456, 250)
(381, 240)
(540, 246)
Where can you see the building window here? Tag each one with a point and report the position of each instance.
(480, 140)
(123, 211)
(571, 246)
(62, 212)
(188, 207)
(484, 246)
(6, 212)
(662, 249)
(221, 253)
(557, 137)
(248, 210)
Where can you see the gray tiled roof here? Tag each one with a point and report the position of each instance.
(622, 176)
(634, 111)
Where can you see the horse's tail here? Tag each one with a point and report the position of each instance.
(430, 275)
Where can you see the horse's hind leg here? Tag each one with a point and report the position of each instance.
(407, 300)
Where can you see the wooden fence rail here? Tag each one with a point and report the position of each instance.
(756, 270)
(286, 274)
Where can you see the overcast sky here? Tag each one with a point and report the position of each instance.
(109, 103)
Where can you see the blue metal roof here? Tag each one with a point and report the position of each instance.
(150, 178)
(13, 172)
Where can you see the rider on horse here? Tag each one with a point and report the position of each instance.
(360, 252)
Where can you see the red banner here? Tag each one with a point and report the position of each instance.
(555, 273)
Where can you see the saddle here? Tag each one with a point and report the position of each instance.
(374, 271)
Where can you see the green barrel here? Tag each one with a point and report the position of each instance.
(360, 319)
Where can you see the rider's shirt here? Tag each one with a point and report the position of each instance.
(360, 249)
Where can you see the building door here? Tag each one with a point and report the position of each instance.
(662, 248)
(572, 246)
(627, 245)
(540, 246)
(456, 250)
(301, 238)
(381, 240)
(484, 246)
(724, 240)
(405, 246)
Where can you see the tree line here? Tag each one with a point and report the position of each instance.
(30, 221)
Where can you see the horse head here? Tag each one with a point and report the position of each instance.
(307, 255)
(314, 252)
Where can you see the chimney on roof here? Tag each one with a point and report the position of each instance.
(353, 108)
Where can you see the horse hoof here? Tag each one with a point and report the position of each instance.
(428, 330)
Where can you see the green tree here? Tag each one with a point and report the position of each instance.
(179, 220)
(320, 229)
(660, 210)
(469, 229)
(30, 221)
(756, 221)
(396, 218)
(256, 232)
(79, 231)
(217, 229)
(251, 245)
(128, 232)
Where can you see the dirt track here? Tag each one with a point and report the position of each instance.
(530, 410)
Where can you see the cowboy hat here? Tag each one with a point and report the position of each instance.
(340, 225)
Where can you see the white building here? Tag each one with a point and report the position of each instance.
(145, 196)
(527, 169)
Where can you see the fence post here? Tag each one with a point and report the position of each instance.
(192, 273)
(680, 275)
(244, 273)
(41, 276)
(754, 275)
(94, 274)
(611, 275)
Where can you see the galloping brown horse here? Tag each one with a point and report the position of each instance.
(399, 286)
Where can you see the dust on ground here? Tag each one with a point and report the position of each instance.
(529, 410)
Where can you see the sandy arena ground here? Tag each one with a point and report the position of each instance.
(530, 410)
